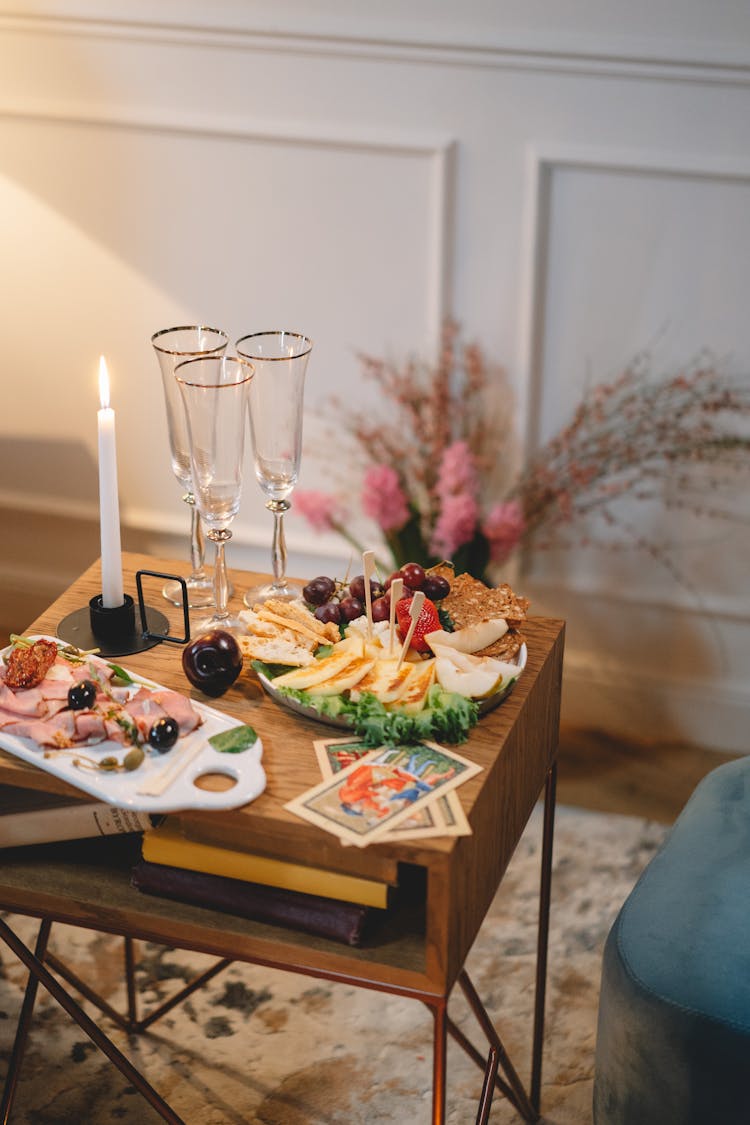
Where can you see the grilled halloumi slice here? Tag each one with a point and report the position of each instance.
(385, 680)
(302, 679)
(346, 679)
(421, 679)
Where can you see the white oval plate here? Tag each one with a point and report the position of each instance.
(292, 704)
(121, 789)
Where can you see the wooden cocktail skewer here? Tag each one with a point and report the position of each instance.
(396, 593)
(414, 611)
(368, 568)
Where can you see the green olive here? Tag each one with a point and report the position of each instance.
(133, 758)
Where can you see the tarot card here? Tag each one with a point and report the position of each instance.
(374, 794)
(446, 815)
(442, 817)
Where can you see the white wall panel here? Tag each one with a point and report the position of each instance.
(635, 254)
(122, 228)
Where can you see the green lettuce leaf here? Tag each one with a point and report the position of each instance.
(446, 717)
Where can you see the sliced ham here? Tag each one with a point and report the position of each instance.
(149, 705)
(54, 688)
(179, 708)
(90, 727)
(42, 714)
(115, 732)
(57, 731)
(28, 701)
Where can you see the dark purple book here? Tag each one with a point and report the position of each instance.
(325, 917)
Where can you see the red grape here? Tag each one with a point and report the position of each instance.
(413, 575)
(331, 611)
(357, 587)
(319, 590)
(381, 608)
(436, 587)
(351, 608)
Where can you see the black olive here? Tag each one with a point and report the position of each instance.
(163, 734)
(81, 695)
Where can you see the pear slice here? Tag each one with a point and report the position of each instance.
(471, 638)
(474, 677)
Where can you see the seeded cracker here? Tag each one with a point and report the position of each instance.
(470, 602)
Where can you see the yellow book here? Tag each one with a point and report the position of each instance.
(167, 845)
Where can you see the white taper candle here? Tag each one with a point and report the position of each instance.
(109, 503)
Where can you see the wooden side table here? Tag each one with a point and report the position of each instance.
(419, 952)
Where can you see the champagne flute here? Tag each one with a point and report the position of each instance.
(214, 395)
(171, 346)
(275, 399)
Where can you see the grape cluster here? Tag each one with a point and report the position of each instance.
(342, 602)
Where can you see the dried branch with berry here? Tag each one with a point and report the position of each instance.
(429, 460)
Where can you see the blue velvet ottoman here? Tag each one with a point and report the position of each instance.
(673, 1045)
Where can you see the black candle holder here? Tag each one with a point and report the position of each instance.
(113, 631)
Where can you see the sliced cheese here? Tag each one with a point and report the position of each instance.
(351, 675)
(421, 679)
(385, 680)
(301, 679)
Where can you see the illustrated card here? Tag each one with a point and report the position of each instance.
(444, 816)
(449, 819)
(372, 795)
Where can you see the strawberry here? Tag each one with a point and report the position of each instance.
(427, 622)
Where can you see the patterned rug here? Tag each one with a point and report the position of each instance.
(269, 1048)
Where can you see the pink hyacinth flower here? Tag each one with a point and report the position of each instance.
(504, 528)
(457, 474)
(455, 525)
(383, 498)
(320, 509)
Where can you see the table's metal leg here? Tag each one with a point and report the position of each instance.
(123, 1064)
(22, 1029)
(545, 887)
(466, 1045)
(488, 1087)
(129, 953)
(439, 1052)
(131, 1023)
(497, 1056)
(528, 1105)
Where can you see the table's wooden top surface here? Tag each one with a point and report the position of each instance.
(288, 759)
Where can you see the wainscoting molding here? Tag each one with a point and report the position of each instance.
(544, 48)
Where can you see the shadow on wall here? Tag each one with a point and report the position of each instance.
(41, 472)
(49, 512)
(50, 502)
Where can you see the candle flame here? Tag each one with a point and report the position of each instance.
(103, 383)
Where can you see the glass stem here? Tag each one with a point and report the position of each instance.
(221, 583)
(197, 549)
(278, 548)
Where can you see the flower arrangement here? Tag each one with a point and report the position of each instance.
(432, 461)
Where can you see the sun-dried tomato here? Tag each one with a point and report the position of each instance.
(27, 667)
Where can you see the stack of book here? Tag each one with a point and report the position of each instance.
(176, 863)
(31, 816)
